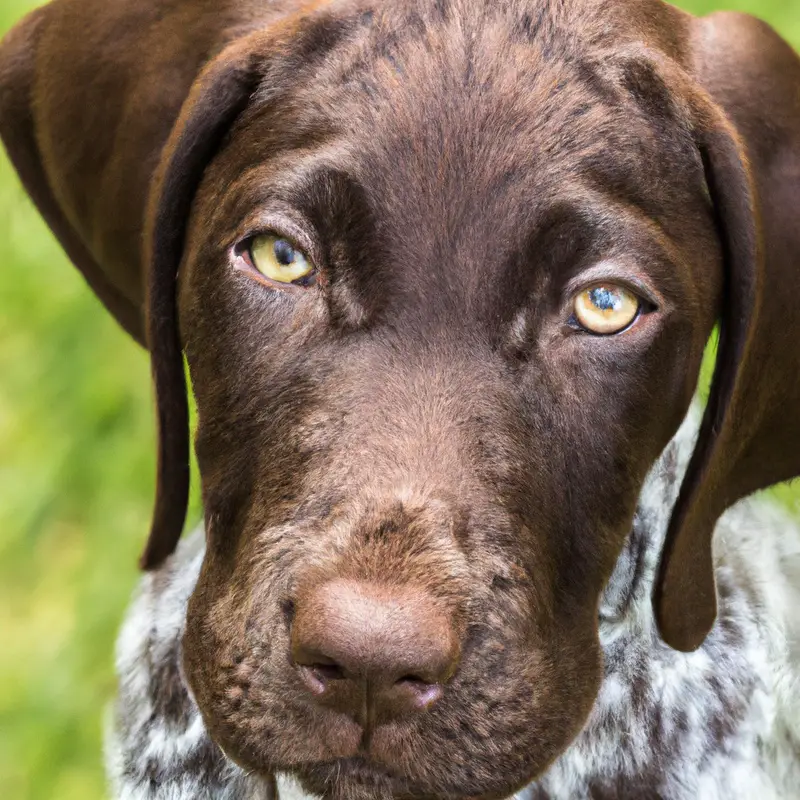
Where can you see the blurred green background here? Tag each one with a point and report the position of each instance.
(76, 483)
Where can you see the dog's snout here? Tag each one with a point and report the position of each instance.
(374, 652)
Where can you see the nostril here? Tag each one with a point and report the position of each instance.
(421, 693)
(318, 676)
(327, 672)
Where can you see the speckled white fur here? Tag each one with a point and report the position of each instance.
(722, 723)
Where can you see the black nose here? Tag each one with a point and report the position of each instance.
(374, 652)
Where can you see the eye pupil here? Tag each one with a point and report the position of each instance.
(606, 299)
(279, 261)
(284, 252)
(605, 310)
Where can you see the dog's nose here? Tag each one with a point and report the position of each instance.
(374, 652)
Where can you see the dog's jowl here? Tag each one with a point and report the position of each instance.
(443, 272)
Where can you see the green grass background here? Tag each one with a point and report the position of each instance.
(76, 483)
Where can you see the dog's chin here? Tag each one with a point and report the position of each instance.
(360, 779)
(357, 779)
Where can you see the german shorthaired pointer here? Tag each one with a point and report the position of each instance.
(443, 272)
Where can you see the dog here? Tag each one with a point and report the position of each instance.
(720, 723)
(443, 273)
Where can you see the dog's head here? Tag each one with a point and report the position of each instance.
(444, 274)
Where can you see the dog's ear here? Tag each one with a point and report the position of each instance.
(218, 96)
(271, 57)
(748, 131)
(268, 60)
(18, 55)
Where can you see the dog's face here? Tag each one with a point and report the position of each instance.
(444, 315)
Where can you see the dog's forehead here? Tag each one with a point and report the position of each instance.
(468, 135)
(513, 102)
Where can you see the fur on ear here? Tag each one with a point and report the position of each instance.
(18, 130)
(747, 128)
(271, 57)
(218, 96)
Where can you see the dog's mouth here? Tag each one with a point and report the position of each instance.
(360, 778)
(356, 778)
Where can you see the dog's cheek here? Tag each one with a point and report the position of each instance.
(237, 664)
(516, 706)
(258, 406)
(221, 663)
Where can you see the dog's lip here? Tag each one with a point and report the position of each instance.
(359, 768)
(363, 770)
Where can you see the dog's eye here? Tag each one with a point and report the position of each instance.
(280, 261)
(606, 309)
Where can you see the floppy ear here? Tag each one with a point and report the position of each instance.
(219, 95)
(749, 136)
(64, 159)
(267, 58)
(18, 54)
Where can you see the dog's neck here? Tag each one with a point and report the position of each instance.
(720, 722)
(627, 600)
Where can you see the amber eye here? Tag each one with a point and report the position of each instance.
(606, 309)
(280, 261)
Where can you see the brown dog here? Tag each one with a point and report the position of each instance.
(443, 272)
